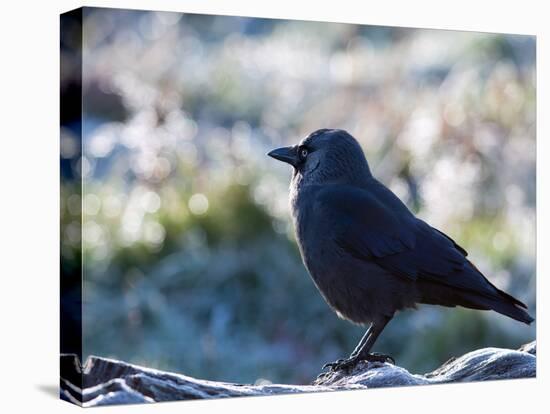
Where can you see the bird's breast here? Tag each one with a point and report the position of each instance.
(357, 290)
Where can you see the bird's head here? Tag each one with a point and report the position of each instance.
(326, 155)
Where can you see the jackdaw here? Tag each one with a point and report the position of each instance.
(368, 255)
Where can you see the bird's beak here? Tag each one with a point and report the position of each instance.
(285, 154)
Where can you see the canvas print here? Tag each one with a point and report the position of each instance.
(255, 206)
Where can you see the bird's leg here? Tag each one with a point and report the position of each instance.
(353, 355)
(361, 352)
(352, 359)
(361, 342)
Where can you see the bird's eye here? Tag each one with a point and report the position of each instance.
(303, 153)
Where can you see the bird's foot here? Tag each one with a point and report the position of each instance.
(377, 357)
(351, 362)
(342, 364)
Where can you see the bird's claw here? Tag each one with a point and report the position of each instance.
(342, 364)
(376, 357)
(346, 364)
(336, 363)
(332, 364)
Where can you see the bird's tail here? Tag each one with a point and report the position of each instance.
(504, 303)
(501, 302)
(506, 307)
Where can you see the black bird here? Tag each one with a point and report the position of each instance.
(368, 255)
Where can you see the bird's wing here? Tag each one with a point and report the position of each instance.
(375, 227)
(369, 229)
(362, 225)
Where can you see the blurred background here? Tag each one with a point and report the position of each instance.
(190, 262)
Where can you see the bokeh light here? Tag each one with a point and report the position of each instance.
(190, 262)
